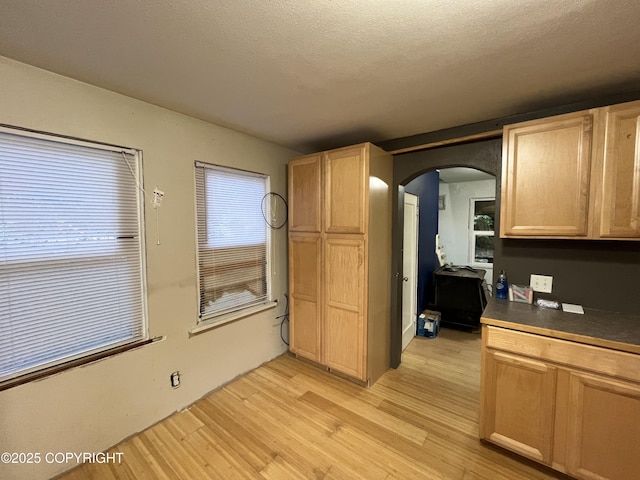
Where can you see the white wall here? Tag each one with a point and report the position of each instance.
(90, 408)
(453, 221)
(446, 227)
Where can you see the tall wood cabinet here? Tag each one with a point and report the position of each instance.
(571, 406)
(340, 259)
(573, 176)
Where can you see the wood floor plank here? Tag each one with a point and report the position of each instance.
(293, 409)
(388, 441)
(142, 462)
(351, 403)
(248, 447)
(289, 446)
(279, 469)
(313, 431)
(366, 448)
(214, 454)
(117, 470)
(181, 459)
(158, 452)
(317, 443)
(365, 409)
(182, 424)
(289, 419)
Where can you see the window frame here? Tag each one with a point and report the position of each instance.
(133, 158)
(474, 234)
(216, 319)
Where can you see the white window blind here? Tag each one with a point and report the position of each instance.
(71, 281)
(232, 240)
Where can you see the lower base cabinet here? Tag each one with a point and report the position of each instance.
(603, 428)
(520, 405)
(573, 407)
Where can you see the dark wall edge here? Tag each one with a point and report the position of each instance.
(489, 125)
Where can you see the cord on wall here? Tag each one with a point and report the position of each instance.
(133, 174)
(158, 195)
(285, 318)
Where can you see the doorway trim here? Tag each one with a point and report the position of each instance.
(410, 278)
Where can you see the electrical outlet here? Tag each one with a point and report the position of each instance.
(541, 283)
(175, 379)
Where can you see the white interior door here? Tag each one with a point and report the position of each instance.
(410, 269)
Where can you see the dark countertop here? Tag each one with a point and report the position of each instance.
(620, 331)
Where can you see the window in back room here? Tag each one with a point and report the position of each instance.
(482, 218)
(71, 265)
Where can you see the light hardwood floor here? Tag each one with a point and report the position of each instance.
(289, 420)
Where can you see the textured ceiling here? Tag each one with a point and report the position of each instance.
(315, 74)
(462, 174)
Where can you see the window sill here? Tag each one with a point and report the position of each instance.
(230, 317)
(82, 361)
(484, 266)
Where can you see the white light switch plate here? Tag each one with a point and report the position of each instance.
(541, 283)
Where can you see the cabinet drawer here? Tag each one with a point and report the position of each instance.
(586, 357)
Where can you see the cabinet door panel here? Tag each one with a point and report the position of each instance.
(344, 327)
(621, 180)
(304, 288)
(305, 194)
(545, 178)
(518, 408)
(342, 350)
(603, 428)
(345, 190)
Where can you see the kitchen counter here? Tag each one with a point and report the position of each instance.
(615, 330)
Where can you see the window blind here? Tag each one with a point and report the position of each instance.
(71, 281)
(232, 240)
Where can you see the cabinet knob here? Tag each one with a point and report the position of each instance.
(405, 279)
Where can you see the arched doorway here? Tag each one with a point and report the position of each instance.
(482, 155)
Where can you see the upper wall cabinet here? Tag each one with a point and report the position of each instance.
(620, 216)
(545, 178)
(573, 176)
(305, 194)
